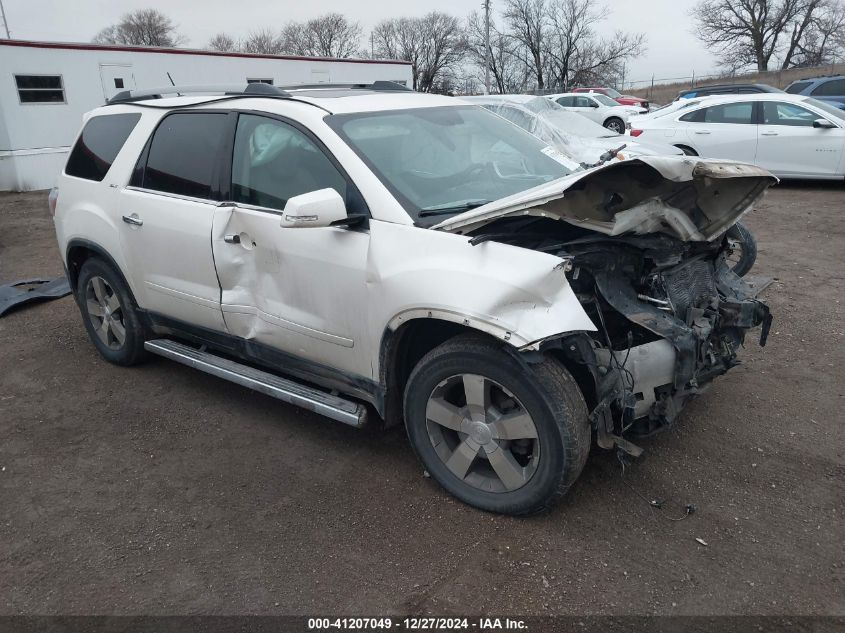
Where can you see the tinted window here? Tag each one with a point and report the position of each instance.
(832, 88)
(795, 89)
(566, 101)
(726, 113)
(40, 88)
(98, 145)
(274, 161)
(183, 154)
(583, 102)
(696, 116)
(787, 114)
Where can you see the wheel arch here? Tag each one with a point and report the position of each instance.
(79, 251)
(407, 340)
(686, 146)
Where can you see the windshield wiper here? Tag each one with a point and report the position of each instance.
(458, 208)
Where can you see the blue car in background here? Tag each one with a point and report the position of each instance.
(830, 89)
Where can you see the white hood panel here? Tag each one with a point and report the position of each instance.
(693, 199)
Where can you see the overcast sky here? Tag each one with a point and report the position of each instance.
(672, 51)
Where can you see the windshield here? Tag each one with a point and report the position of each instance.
(829, 109)
(613, 93)
(447, 160)
(604, 100)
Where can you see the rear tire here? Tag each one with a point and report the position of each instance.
(109, 313)
(497, 434)
(615, 124)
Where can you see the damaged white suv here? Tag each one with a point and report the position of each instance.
(369, 250)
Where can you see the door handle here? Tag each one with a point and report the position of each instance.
(232, 239)
(133, 219)
(702, 132)
(768, 133)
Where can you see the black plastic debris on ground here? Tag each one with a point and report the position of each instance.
(29, 290)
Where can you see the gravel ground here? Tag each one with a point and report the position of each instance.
(160, 490)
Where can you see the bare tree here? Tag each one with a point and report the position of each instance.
(508, 72)
(575, 53)
(800, 29)
(223, 42)
(263, 42)
(434, 44)
(144, 27)
(527, 23)
(823, 39)
(443, 48)
(746, 32)
(330, 35)
(400, 38)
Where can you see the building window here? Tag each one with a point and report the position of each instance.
(260, 81)
(40, 88)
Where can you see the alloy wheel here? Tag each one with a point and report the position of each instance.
(482, 433)
(105, 312)
(616, 126)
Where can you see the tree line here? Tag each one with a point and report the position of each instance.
(534, 44)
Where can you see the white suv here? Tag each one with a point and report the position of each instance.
(370, 250)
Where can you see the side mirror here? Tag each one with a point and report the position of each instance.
(314, 209)
(824, 123)
(593, 104)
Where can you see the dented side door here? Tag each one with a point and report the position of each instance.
(297, 290)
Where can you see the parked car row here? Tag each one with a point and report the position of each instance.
(830, 89)
(371, 253)
(792, 136)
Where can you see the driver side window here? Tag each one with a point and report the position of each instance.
(273, 162)
(583, 102)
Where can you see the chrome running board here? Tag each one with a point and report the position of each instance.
(333, 407)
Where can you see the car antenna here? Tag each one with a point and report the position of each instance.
(172, 83)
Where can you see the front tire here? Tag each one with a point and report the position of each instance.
(496, 433)
(615, 124)
(743, 249)
(109, 313)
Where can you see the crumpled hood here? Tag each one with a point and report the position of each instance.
(694, 199)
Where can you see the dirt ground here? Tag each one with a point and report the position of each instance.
(161, 490)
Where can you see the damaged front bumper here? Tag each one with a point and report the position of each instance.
(665, 330)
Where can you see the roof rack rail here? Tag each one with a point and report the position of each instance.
(243, 90)
(386, 86)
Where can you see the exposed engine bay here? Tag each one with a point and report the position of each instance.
(669, 316)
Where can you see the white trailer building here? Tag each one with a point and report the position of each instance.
(45, 87)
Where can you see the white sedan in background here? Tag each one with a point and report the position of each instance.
(597, 107)
(792, 136)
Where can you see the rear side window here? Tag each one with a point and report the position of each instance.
(738, 113)
(795, 89)
(566, 101)
(832, 88)
(184, 153)
(98, 145)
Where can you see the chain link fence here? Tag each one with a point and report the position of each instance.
(664, 90)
